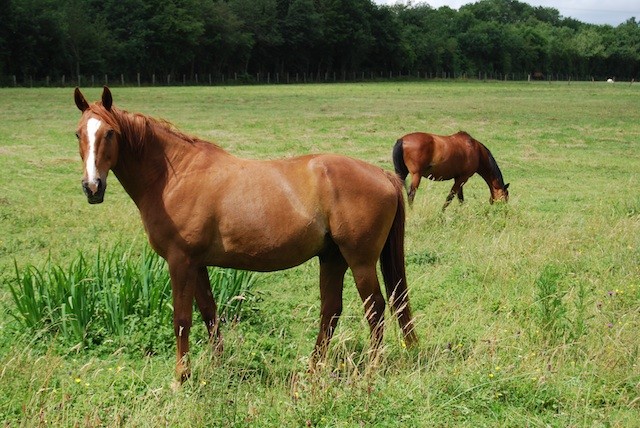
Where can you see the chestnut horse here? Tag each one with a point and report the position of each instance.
(438, 158)
(202, 206)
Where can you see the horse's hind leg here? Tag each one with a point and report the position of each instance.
(332, 270)
(207, 307)
(368, 286)
(415, 183)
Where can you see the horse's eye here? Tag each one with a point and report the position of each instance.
(109, 134)
(77, 136)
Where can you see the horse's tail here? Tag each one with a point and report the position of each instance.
(398, 160)
(392, 264)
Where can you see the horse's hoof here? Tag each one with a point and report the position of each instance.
(182, 374)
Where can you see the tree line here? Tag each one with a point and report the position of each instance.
(72, 38)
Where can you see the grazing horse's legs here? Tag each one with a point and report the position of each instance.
(460, 194)
(184, 281)
(456, 189)
(415, 182)
(207, 307)
(332, 270)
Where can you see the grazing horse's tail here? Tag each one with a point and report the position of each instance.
(398, 160)
(392, 264)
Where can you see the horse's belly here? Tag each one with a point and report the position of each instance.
(274, 246)
(438, 174)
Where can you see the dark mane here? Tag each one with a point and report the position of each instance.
(138, 130)
(493, 165)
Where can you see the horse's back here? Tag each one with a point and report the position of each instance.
(440, 157)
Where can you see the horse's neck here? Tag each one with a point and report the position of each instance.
(143, 172)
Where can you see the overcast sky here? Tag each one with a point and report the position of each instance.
(611, 12)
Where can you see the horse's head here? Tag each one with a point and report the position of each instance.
(500, 194)
(98, 144)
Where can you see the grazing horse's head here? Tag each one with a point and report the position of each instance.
(500, 194)
(98, 145)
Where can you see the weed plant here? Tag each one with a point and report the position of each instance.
(121, 298)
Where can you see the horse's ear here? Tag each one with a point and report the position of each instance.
(81, 102)
(107, 99)
(506, 186)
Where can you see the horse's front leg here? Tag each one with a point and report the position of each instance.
(461, 195)
(207, 306)
(184, 278)
(450, 197)
(456, 189)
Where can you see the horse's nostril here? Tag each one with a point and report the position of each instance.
(85, 188)
(93, 187)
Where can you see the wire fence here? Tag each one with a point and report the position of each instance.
(217, 79)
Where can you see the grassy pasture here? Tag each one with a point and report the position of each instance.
(528, 313)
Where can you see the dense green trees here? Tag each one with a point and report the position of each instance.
(71, 38)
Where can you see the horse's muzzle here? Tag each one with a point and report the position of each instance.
(94, 197)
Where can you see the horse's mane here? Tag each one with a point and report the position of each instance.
(493, 165)
(138, 130)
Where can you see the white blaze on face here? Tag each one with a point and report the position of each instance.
(93, 125)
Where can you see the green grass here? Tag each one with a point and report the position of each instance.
(527, 312)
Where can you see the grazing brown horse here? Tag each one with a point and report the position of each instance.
(202, 206)
(438, 158)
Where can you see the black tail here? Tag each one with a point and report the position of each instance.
(392, 264)
(398, 160)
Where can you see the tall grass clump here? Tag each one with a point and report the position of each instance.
(231, 288)
(552, 311)
(121, 297)
(562, 315)
(55, 298)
